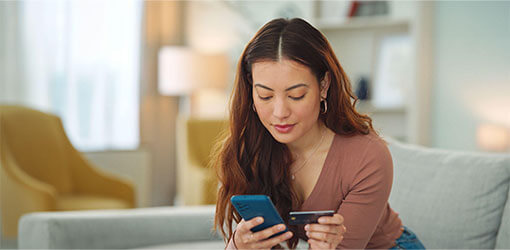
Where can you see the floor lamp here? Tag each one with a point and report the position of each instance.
(193, 77)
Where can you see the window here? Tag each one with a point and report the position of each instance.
(81, 61)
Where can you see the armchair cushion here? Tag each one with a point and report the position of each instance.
(86, 202)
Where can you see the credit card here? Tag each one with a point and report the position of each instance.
(307, 217)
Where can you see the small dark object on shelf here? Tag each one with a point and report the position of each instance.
(362, 89)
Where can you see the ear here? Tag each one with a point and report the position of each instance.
(324, 85)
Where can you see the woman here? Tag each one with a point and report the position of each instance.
(296, 137)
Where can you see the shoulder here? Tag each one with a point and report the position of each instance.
(359, 147)
(376, 148)
(363, 156)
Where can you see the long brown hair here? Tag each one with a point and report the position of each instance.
(249, 160)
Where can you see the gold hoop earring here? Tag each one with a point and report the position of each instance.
(325, 106)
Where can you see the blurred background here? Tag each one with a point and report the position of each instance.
(142, 87)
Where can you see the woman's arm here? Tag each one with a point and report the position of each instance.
(368, 195)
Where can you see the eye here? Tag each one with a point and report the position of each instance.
(265, 98)
(297, 98)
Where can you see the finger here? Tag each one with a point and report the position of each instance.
(335, 219)
(246, 238)
(266, 233)
(320, 244)
(240, 225)
(334, 229)
(269, 243)
(248, 225)
(320, 236)
(246, 235)
(312, 244)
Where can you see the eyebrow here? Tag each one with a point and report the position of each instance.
(287, 89)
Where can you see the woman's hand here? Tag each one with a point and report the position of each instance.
(327, 234)
(244, 238)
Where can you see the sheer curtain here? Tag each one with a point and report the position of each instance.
(81, 61)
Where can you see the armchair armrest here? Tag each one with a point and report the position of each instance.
(15, 183)
(90, 179)
(109, 229)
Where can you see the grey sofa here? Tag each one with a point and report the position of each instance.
(449, 199)
(120, 229)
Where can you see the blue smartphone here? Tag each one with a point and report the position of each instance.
(251, 206)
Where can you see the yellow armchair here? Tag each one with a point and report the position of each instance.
(42, 171)
(197, 183)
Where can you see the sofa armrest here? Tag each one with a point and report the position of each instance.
(109, 229)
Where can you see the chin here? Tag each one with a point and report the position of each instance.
(283, 138)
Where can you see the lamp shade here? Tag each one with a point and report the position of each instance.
(175, 71)
(182, 70)
(493, 137)
(213, 71)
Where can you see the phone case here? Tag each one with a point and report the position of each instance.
(250, 206)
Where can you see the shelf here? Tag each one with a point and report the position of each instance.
(387, 121)
(367, 107)
(363, 23)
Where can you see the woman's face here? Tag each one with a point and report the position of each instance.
(286, 97)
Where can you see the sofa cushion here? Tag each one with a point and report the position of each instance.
(503, 239)
(213, 244)
(450, 199)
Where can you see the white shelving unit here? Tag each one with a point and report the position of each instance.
(388, 121)
(360, 23)
(356, 42)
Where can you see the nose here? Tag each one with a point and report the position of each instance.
(281, 109)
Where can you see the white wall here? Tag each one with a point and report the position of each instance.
(133, 166)
(472, 71)
(219, 26)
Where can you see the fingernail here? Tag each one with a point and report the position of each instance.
(307, 227)
(259, 219)
(281, 227)
(308, 234)
(289, 234)
(321, 220)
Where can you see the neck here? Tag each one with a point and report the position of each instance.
(309, 141)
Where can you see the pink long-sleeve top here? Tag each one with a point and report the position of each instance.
(356, 181)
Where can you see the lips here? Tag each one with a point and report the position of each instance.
(284, 128)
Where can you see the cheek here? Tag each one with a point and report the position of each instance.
(264, 111)
(309, 111)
